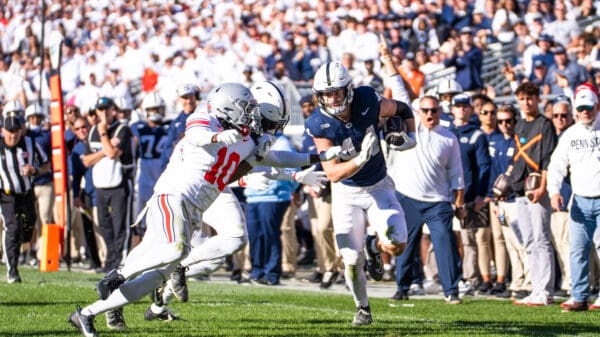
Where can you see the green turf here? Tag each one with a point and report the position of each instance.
(40, 307)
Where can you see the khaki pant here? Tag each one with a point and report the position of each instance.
(321, 228)
(470, 260)
(289, 241)
(559, 228)
(490, 244)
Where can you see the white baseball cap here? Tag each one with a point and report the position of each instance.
(585, 96)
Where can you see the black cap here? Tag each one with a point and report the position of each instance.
(306, 99)
(104, 103)
(13, 123)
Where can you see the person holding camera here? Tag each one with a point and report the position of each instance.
(535, 139)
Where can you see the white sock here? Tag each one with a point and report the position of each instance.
(157, 309)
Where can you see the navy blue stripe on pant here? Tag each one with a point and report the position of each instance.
(438, 217)
(264, 236)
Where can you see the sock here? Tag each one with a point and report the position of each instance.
(157, 309)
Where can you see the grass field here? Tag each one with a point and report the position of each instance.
(41, 305)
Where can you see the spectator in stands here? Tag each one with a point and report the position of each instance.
(541, 51)
(468, 61)
(564, 30)
(411, 74)
(564, 75)
(506, 16)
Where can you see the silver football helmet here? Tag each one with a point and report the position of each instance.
(233, 104)
(274, 107)
(154, 107)
(330, 77)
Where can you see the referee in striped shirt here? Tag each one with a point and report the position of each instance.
(21, 160)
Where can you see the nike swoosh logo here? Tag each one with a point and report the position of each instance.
(365, 112)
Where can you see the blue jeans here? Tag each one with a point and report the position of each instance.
(264, 236)
(438, 216)
(585, 218)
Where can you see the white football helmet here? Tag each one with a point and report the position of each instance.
(13, 107)
(333, 76)
(274, 107)
(449, 86)
(34, 109)
(233, 104)
(123, 104)
(154, 107)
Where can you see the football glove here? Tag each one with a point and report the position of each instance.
(394, 134)
(228, 137)
(255, 181)
(366, 148)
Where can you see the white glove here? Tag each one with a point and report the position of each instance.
(309, 177)
(333, 153)
(255, 181)
(366, 148)
(229, 137)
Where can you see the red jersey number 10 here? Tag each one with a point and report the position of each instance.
(222, 170)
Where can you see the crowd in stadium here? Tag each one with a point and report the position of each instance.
(153, 63)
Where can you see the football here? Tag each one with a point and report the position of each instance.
(532, 182)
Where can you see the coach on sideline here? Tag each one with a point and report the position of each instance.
(21, 159)
(577, 152)
(427, 178)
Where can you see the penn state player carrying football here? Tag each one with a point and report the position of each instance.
(361, 188)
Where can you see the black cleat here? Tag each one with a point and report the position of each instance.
(374, 262)
(178, 283)
(84, 323)
(115, 319)
(362, 316)
(109, 283)
(166, 315)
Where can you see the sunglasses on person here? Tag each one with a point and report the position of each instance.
(428, 110)
(563, 116)
(505, 121)
(584, 108)
(80, 127)
(486, 112)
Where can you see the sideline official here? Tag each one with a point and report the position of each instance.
(21, 161)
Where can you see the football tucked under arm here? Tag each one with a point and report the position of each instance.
(502, 186)
(395, 134)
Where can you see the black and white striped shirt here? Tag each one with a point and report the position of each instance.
(27, 151)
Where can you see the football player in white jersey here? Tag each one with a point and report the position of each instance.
(200, 167)
(207, 255)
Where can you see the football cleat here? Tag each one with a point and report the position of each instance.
(166, 315)
(178, 283)
(115, 319)
(109, 283)
(374, 262)
(362, 316)
(84, 323)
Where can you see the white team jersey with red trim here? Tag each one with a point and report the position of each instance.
(199, 173)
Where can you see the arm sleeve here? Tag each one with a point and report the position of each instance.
(285, 159)
(549, 140)
(197, 130)
(455, 169)
(557, 169)
(396, 84)
(483, 162)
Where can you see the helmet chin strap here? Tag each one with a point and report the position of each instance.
(243, 129)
